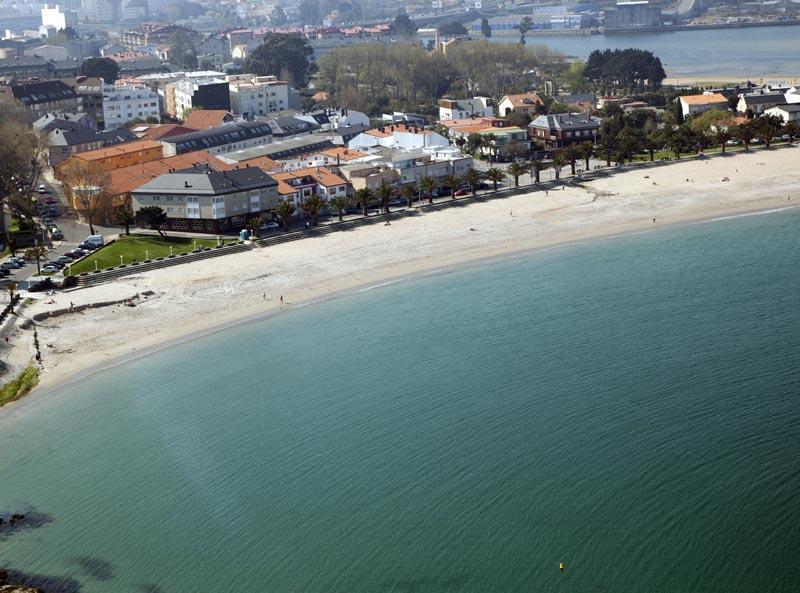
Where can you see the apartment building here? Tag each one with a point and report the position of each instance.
(252, 96)
(125, 102)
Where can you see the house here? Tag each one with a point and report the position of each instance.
(227, 138)
(759, 103)
(282, 149)
(116, 157)
(501, 139)
(202, 199)
(529, 103)
(398, 136)
(289, 125)
(694, 104)
(560, 130)
(399, 117)
(41, 97)
(66, 140)
(63, 120)
(25, 67)
(188, 94)
(465, 108)
(583, 101)
(159, 131)
(309, 181)
(90, 92)
(786, 112)
(208, 119)
(340, 155)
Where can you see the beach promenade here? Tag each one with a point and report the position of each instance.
(204, 296)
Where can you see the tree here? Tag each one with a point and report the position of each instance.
(403, 25)
(408, 191)
(11, 287)
(451, 181)
(313, 204)
(744, 133)
(364, 196)
(37, 252)
(559, 160)
(86, 187)
(284, 210)
(536, 167)
(486, 29)
(767, 127)
(474, 142)
(626, 68)
(182, 51)
(152, 216)
(525, 25)
(125, 218)
(651, 142)
(571, 155)
(791, 129)
(586, 150)
(453, 29)
(255, 224)
(385, 193)
(339, 203)
(609, 129)
(426, 186)
(283, 55)
(722, 138)
(104, 68)
(494, 175)
(473, 177)
(278, 17)
(627, 145)
(517, 169)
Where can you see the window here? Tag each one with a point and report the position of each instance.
(255, 201)
(192, 207)
(218, 207)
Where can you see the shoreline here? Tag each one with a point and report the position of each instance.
(722, 79)
(177, 324)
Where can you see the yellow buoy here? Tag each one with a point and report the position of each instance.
(561, 566)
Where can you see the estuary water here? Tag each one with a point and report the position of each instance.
(629, 407)
(750, 52)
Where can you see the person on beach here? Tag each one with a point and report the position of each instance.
(281, 299)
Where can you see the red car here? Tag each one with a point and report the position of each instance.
(461, 192)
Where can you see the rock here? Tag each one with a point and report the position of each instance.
(14, 589)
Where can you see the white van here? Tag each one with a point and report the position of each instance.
(96, 240)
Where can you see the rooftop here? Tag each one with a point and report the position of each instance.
(208, 181)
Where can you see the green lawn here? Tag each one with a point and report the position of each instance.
(138, 248)
(19, 385)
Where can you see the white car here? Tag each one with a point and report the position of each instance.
(50, 269)
(42, 189)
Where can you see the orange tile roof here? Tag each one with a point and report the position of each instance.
(158, 131)
(205, 119)
(712, 98)
(285, 189)
(127, 179)
(524, 100)
(264, 163)
(127, 148)
(377, 133)
(321, 175)
(342, 153)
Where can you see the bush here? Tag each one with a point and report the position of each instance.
(21, 385)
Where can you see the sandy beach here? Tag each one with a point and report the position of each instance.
(207, 295)
(723, 79)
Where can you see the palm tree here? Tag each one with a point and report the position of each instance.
(339, 203)
(426, 186)
(516, 169)
(536, 166)
(385, 192)
(767, 127)
(451, 181)
(409, 191)
(285, 209)
(473, 177)
(571, 156)
(11, 287)
(488, 141)
(495, 175)
(559, 160)
(652, 140)
(37, 252)
(364, 195)
(255, 224)
(586, 151)
(791, 129)
(313, 204)
(125, 218)
(744, 132)
(722, 137)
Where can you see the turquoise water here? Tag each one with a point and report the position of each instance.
(628, 407)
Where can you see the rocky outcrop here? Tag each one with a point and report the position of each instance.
(4, 588)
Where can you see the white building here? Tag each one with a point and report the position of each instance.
(53, 16)
(252, 96)
(54, 53)
(123, 103)
(197, 93)
(400, 137)
(694, 104)
(786, 112)
(465, 108)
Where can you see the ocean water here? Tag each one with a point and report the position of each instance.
(628, 407)
(750, 52)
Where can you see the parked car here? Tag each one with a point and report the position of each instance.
(10, 266)
(78, 253)
(50, 200)
(42, 189)
(53, 211)
(50, 269)
(270, 226)
(56, 234)
(64, 259)
(20, 260)
(461, 192)
(4, 272)
(88, 246)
